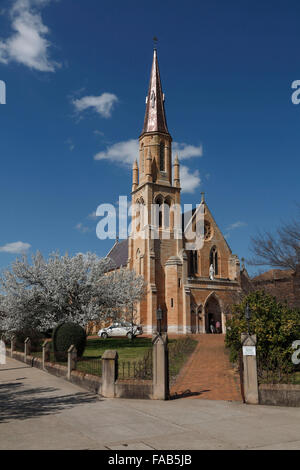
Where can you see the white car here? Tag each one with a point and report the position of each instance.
(121, 329)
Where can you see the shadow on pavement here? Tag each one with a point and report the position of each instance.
(15, 368)
(186, 393)
(19, 403)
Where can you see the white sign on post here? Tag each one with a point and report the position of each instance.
(249, 351)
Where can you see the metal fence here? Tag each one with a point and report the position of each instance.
(90, 365)
(137, 370)
(276, 371)
(60, 357)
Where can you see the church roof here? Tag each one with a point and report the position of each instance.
(119, 253)
(155, 116)
(188, 216)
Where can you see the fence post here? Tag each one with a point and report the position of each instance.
(72, 360)
(12, 345)
(109, 373)
(46, 351)
(160, 367)
(2, 351)
(27, 348)
(250, 369)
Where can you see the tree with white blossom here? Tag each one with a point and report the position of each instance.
(83, 288)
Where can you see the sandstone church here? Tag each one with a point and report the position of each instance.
(178, 280)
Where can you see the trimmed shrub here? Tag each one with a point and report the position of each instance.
(63, 336)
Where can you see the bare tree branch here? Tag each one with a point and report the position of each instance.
(279, 250)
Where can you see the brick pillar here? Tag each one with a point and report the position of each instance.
(160, 367)
(109, 373)
(250, 369)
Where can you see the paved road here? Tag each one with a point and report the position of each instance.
(40, 411)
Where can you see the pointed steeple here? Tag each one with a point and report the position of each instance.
(155, 116)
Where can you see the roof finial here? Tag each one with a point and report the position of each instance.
(155, 40)
(203, 197)
(176, 172)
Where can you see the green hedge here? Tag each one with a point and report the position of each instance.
(66, 334)
(275, 325)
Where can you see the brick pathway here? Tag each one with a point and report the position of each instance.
(208, 373)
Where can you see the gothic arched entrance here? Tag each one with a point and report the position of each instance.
(213, 313)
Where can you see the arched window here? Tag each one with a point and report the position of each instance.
(161, 156)
(213, 259)
(142, 213)
(167, 206)
(159, 210)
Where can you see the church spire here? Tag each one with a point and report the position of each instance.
(155, 117)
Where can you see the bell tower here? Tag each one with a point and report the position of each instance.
(155, 140)
(154, 245)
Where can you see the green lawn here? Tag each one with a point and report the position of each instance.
(127, 350)
(179, 352)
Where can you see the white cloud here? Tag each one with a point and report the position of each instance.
(70, 144)
(82, 228)
(232, 227)
(93, 216)
(27, 44)
(121, 152)
(189, 181)
(102, 104)
(15, 247)
(96, 132)
(186, 151)
(235, 225)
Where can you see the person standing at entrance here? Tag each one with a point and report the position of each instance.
(212, 327)
(218, 327)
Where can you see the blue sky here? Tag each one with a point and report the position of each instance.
(226, 68)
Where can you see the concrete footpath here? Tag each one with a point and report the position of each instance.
(40, 411)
